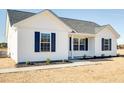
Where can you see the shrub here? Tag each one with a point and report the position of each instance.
(94, 56)
(84, 56)
(102, 55)
(110, 56)
(63, 60)
(118, 55)
(48, 61)
(27, 62)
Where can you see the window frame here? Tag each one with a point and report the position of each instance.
(45, 42)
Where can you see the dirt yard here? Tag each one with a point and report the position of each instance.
(120, 51)
(6, 63)
(3, 49)
(110, 70)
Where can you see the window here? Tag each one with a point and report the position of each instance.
(45, 42)
(107, 44)
(75, 43)
(82, 44)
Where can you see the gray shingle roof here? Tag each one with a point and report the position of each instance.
(78, 25)
(16, 16)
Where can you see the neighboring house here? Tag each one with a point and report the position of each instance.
(36, 37)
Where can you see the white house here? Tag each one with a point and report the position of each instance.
(36, 37)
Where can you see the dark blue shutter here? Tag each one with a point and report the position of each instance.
(110, 41)
(70, 43)
(86, 44)
(37, 41)
(53, 42)
(102, 44)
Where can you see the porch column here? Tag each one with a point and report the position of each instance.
(72, 47)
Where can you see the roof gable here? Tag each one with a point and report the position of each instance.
(46, 13)
(105, 27)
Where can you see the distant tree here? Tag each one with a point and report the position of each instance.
(121, 46)
(3, 45)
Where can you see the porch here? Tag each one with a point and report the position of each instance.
(81, 45)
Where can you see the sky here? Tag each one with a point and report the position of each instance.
(99, 16)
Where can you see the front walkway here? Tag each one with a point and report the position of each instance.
(77, 63)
